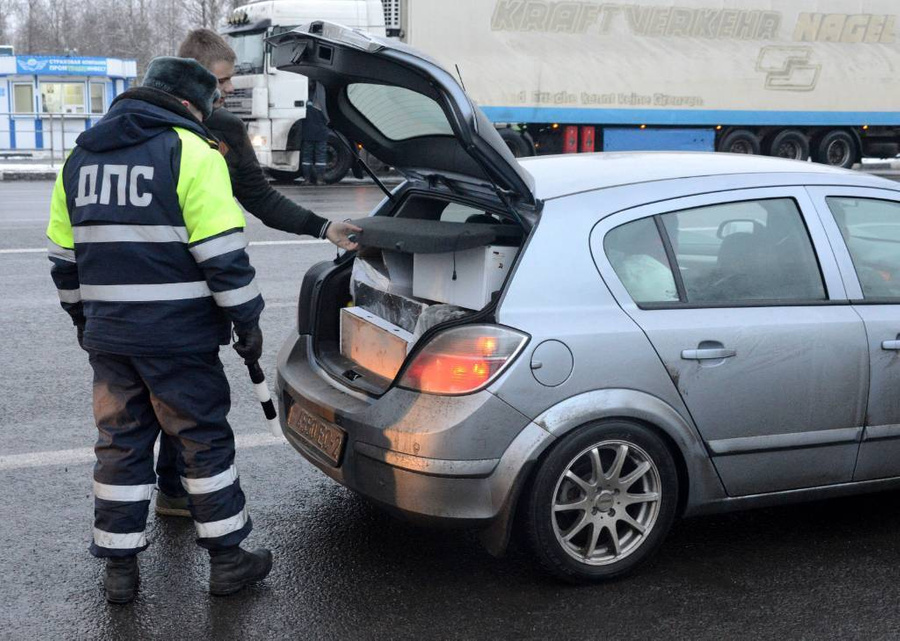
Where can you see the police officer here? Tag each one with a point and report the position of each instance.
(149, 260)
(255, 194)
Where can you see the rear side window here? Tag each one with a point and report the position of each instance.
(871, 229)
(638, 256)
(734, 253)
(398, 113)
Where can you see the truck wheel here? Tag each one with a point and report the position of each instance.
(740, 141)
(283, 177)
(789, 143)
(339, 160)
(516, 143)
(837, 148)
(602, 501)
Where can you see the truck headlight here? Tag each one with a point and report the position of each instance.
(258, 141)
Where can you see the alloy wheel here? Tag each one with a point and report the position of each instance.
(606, 502)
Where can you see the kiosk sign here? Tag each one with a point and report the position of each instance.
(64, 66)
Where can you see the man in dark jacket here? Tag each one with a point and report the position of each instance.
(251, 187)
(149, 260)
(255, 194)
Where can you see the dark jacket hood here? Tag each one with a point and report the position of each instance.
(136, 116)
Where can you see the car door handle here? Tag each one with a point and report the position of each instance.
(707, 354)
(891, 345)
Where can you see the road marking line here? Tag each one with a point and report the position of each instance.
(86, 454)
(42, 250)
(256, 243)
(309, 241)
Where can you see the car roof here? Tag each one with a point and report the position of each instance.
(566, 174)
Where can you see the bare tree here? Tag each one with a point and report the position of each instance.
(139, 29)
(207, 13)
(5, 22)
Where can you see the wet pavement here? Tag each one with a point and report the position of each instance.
(344, 570)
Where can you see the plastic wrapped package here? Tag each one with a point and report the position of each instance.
(385, 271)
(371, 272)
(435, 315)
(403, 311)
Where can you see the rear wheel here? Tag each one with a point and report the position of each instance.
(339, 160)
(602, 502)
(790, 143)
(740, 141)
(837, 148)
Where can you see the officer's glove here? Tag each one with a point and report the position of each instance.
(249, 344)
(79, 321)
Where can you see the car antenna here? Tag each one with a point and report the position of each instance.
(460, 77)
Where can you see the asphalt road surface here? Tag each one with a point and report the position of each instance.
(343, 570)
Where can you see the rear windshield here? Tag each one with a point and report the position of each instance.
(398, 113)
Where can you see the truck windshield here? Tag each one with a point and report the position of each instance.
(250, 50)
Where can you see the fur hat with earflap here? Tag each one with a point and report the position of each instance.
(184, 78)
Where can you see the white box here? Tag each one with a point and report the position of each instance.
(479, 273)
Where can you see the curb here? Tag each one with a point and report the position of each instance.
(27, 175)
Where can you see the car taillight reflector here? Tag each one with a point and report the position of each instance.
(462, 360)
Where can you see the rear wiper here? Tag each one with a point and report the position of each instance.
(355, 153)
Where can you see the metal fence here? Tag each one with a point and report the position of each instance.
(50, 136)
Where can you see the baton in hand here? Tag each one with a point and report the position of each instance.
(265, 399)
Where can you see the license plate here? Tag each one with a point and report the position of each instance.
(323, 437)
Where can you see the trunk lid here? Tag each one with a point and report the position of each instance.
(402, 107)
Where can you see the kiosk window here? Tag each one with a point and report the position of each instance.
(23, 98)
(98, 98)
(63, 97)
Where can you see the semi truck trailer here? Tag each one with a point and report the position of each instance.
(807, 79)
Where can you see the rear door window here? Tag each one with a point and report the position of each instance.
(871, 230)
(732, 253)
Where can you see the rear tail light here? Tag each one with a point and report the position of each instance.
(463, 360)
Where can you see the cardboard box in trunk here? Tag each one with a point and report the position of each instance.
(372, 342)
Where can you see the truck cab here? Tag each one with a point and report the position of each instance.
(272, 102)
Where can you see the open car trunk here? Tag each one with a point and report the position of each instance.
(432, 257)
(432, 264)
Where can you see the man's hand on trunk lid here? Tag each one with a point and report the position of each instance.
(339, 234)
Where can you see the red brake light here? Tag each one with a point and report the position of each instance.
(463, 360)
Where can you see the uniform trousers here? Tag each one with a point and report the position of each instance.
(187, 397)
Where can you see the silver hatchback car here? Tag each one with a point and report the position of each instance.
(592, 344)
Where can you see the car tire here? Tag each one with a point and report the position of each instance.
(516, 143)
(339, 160)
(740, 141)
(792, 144)
(562, 538)
(837, 148)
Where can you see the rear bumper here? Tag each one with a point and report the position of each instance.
(455, 461)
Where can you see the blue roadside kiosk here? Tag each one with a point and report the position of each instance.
(46, 101)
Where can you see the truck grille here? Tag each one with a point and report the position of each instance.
(240, 102)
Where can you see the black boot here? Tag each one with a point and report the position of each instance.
(122, 578)
(233, 568)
